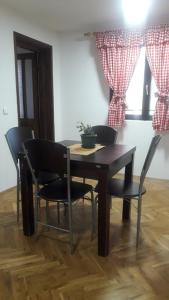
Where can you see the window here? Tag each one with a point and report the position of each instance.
(140, 97)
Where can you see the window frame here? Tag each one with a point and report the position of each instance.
(145, 113)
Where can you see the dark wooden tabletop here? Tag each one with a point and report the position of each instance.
(104, 156)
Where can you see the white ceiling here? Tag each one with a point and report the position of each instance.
(82, 15)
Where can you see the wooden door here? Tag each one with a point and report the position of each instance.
(34, 85)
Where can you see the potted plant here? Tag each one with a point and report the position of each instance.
(88, 137)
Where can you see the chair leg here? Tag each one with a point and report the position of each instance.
(58, 212)
(93, 214)
(38, 188)
(47, 212)
(70, 228)
(84, 181)
(65, 209)
(36, 213)
(111, 203)
(138, 220)
(18, 198)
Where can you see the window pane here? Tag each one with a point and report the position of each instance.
(153, 99)
(29, 88)
(134, 95)
(20, 89)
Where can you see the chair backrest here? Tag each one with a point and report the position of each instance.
(149, 157)
(47, 156)
(105, 135)
(15, 137)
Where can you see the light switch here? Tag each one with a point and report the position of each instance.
(5, 111)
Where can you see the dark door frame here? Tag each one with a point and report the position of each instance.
(45, 82)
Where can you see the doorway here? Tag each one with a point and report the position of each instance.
(34, 85)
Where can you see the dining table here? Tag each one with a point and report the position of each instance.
(101, 166)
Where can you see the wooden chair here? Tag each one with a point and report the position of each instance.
(134, 190)
(53, 157)
(105, 135)
(15, 137)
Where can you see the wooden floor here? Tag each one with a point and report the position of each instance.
(43, 269)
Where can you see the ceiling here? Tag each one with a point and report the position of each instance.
(82, 15)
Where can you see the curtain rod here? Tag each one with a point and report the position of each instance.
(93, 34)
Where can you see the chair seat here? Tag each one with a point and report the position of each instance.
(46, 177)
(117, 188)
(58, 190)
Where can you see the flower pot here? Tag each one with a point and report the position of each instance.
(88, 140)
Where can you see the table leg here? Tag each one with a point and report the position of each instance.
(103, 215)
(128, 179)
(26, 198)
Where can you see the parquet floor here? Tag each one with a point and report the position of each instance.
(43, 269)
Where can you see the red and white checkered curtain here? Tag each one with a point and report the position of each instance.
(157, 51)
(119, 51)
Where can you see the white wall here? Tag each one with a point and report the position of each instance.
(85, 97)
(10, 22)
